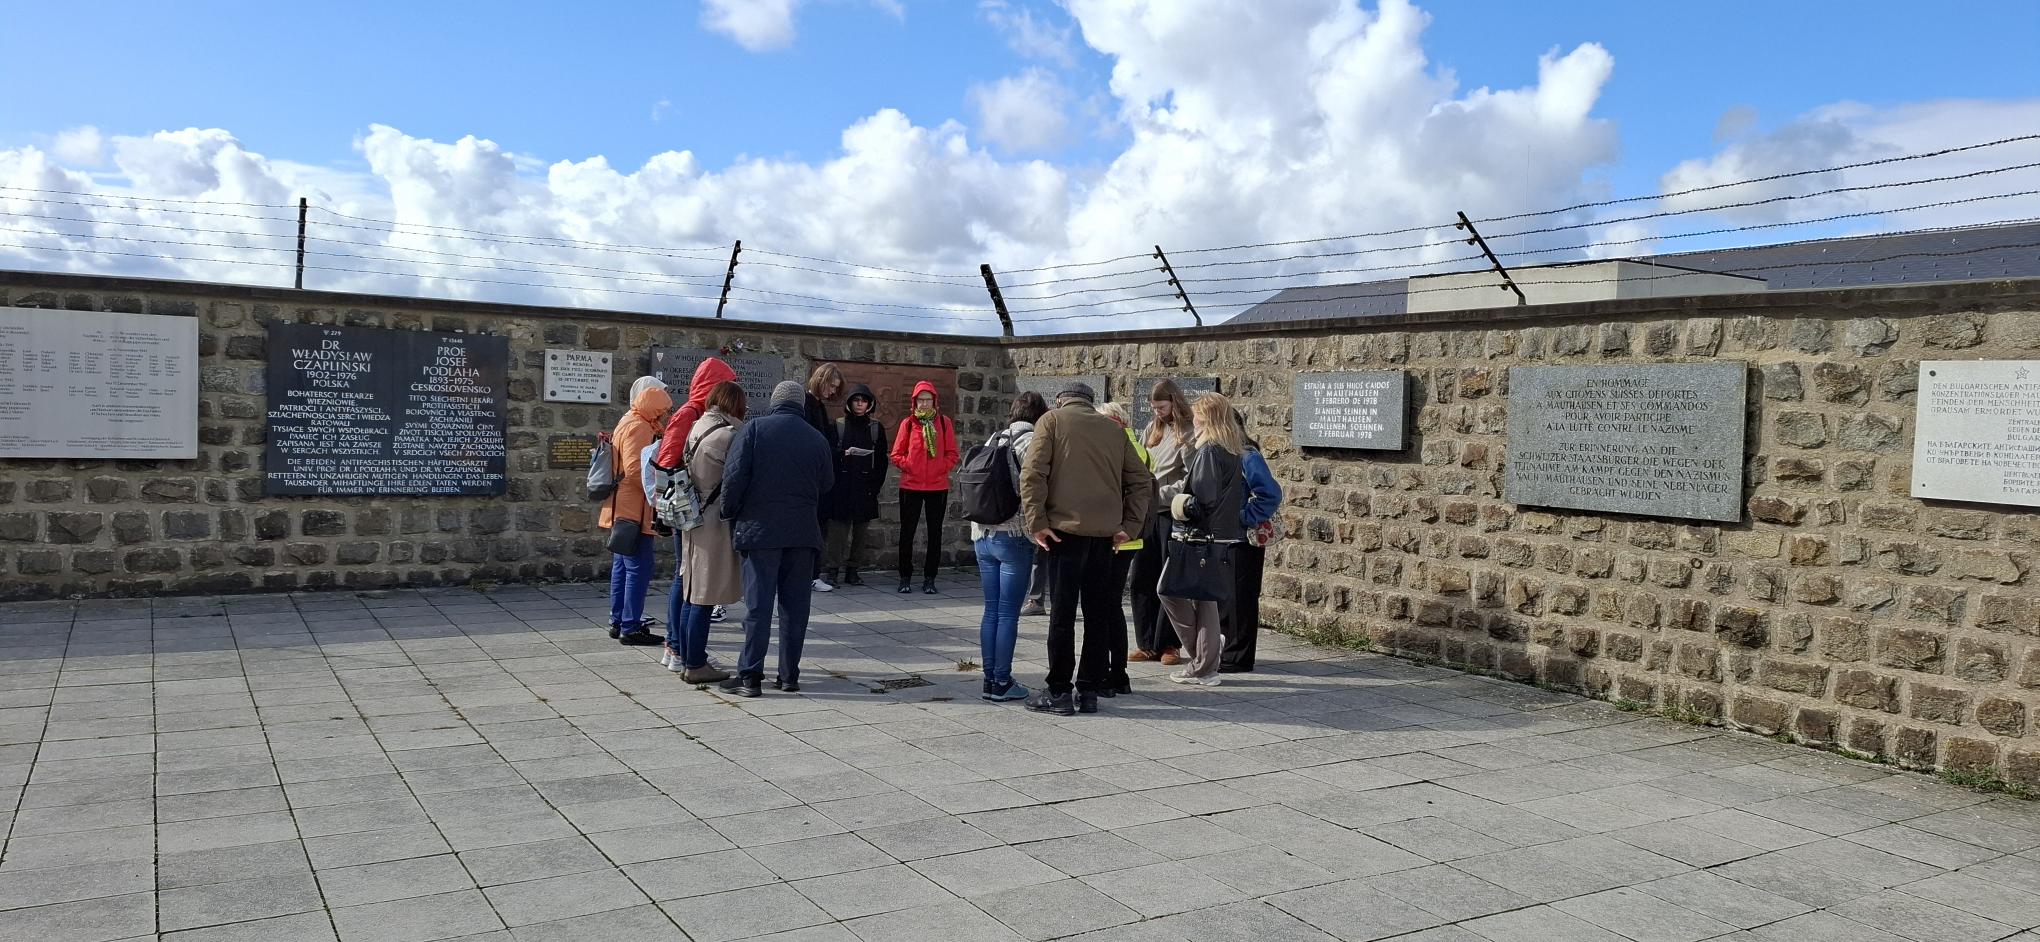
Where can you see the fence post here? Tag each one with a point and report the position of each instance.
(1508, 283)
(998, 300)
(1177, 283)
(302, 205)
(729, 276)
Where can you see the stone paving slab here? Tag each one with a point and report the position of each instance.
(416, 766)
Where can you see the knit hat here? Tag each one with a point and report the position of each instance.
(788, 391)
(1077, 391)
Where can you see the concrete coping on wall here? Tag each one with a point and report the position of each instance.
(1828, 301)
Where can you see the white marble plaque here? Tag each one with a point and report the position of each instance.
(84, 384)
(1976, 432)
(1662, 440)
(1349, 410)
(577, 376)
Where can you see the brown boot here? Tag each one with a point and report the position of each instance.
(1139, 655)
(1168, 657)
(704, 675)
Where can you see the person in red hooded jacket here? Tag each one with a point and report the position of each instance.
(673, 454)
(925, 452)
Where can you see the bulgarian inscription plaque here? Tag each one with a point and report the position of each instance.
(1664, 440)
(1349, 410)
(355, 410)
(1977, 432)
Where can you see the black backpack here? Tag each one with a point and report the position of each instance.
(991, 495)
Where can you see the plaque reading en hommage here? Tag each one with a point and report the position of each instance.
(1349, 410)
(1976, 433)
(1664, 440)
(355, 410)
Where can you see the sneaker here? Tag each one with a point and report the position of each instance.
(906, 586)
(704, 675)
(790, 686)
(719, 614)
(1169, 658)
(1208, 680)
(1042, 701)
(1182, 677)
(928, 587)
(640, 639)
(1001, 694)
(743, 686)
(674, 664)
(1033, 608)
(614, 631)
(821, 585)
(666, 658)
(850, 577)
(1087, 702)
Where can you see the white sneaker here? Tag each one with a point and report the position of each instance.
(666, 659)
(673, 664)
(719, 614)
(1211, 681)
(1183, 677)
(822, 585)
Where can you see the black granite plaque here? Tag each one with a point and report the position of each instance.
(1664, 440)
(1192, 386)
(356, 410)
(1350, 410)
(756, 372)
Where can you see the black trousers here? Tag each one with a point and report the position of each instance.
(1242, 619)
(1115, 651)
(914, 507)
(1082, 578)
(1152, 631)
(1037, 580)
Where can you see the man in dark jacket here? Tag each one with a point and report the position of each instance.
(778, 470)
(1084, 491)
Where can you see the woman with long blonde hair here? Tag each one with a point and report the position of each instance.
(1167, 439)
(1205, 511)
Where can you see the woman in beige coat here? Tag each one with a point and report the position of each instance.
(715, 573)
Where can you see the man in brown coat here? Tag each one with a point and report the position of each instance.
(1083, 491)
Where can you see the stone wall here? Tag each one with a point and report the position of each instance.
(1840, 611)
(97, 527)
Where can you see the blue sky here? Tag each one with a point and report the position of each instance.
(303, 85)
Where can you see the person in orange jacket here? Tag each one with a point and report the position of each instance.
(630, 573)
(925, 451)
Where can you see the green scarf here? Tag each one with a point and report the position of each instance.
(927, 417)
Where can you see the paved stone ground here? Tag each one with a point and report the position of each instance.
(489, 766)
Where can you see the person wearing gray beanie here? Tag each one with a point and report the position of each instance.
(778, 470)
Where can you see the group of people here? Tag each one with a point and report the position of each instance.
(785, 501)
(1184, 510)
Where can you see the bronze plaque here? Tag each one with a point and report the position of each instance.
(893, 385)
(569, 452)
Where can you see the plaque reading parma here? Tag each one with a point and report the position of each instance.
(1976, 434)
(1349, 410)
(1664, 440)
(577, 376)
(82, 384)
(356, 410)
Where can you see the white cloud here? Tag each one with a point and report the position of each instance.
(757, 25)
(82, 146)
(661, 109)
(1029, 36)
(1023, 113)
(1279, 120)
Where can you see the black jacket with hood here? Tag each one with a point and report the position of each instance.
(859, 480)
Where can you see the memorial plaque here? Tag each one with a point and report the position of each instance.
(1350, 410)
(1192, 386)
(569, 452)
(892, 384)
(1048, 386)
(83, 384)
(355, 410)
(577, 376)
(1663, 440)
(1976, 432)
(756, 372)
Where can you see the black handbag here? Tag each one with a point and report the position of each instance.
(623, 537)
(1198, 570)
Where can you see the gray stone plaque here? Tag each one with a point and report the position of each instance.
(1664, 440)
(1048, 386)
(756, 372)
(1976, 432)
(1192, 386)
(1350, 410)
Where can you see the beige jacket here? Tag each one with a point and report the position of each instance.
(713, 573)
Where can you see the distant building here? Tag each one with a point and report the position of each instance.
(1953, 255)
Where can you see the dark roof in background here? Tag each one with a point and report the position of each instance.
(1985, 252)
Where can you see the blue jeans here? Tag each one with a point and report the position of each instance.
(786, 576)
(690, 639)
(1005, 564)
(630, 577)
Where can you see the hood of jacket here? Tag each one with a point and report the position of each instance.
(861, 391)
(924, 387)
(711, 371)
(652, 404)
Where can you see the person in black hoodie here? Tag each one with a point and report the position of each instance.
(1206, 508)
(823, 386)
(861, 469)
